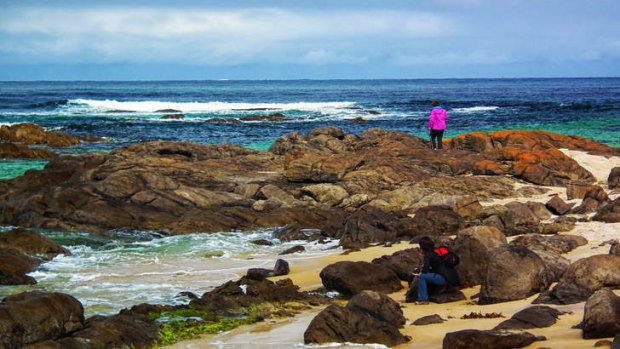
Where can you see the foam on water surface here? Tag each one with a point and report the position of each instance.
(110, 273)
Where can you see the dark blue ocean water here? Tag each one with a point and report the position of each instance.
(130, 112)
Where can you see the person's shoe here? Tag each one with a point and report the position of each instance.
(421, 302)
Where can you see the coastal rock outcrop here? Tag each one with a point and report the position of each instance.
(558, 206)
(532, 155)
(601, 316)
(583, 278)
(609, 213)
(492, 339)
(369, 317)
(30, 243)
(34, 134)
(557, 243)
(474, 246)
(594, 198)
(550, 248)
(21, 151)
(31, 317)
(230, 298)
(514, 218)
(368, 226)
(350, 278)
(21, 252)
(437, 220)
(100, 332)
(532, 317)
(514, 272)
(281, 268)
(14, 266)
(402, 262)
(311, 181)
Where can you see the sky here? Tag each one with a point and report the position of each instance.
(308, 39)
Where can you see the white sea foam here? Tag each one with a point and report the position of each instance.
(108, 274)
(475, 109)
(86, 105)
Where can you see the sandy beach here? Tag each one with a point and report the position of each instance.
(286, 333)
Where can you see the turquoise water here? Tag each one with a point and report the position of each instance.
(15, 168)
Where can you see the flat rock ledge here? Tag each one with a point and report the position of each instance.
(340, 184)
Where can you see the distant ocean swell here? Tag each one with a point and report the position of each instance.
(256, 113)
(109, 106)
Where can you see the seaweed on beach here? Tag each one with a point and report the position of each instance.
(480, 315)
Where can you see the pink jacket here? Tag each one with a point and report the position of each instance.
(438, 118)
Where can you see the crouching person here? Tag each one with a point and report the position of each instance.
(436, 276)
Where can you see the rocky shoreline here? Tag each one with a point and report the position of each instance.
(380, 188)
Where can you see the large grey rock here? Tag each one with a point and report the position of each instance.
(595, 272)
(558, 206)
(379, 306)
(32, 317)
(402, 262)
(532, 317)
(325, 193)
(493, 339)
(437, 220)
(100, 332)
(14, 268)
(32, 244)
(514, 272)
(474, 246)
(609, 213)
(583, 278)
(558, 243)
(601, 317)
(369, 317)
(350, 278)
(368, 226)
(594, 198)
(514, 218)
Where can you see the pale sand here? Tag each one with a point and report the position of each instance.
(598, 166)
(287, 333)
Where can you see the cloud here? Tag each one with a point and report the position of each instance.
(204, 36)
(459, 58)
(328, 57)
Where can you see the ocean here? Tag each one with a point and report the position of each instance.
(127, 268)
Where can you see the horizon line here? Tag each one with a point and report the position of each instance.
(315, 79)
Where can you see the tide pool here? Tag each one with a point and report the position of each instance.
(14, 168)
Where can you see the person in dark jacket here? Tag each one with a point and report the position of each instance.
(434, 271)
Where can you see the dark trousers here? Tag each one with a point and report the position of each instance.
(436, 139)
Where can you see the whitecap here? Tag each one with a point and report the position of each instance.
(475, 109)
(163, 107)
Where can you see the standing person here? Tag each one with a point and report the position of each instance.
(434, 271)
(437, 125)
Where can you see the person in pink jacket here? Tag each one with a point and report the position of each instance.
(437, 125)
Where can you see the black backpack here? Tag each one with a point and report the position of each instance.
(449, 258)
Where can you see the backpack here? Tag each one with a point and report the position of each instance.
(449, 258)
